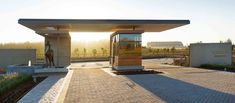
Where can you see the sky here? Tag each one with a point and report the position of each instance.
(211, 20)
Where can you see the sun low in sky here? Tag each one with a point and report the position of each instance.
(89, 36)
(210, 20)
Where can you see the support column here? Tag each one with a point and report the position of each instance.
(61, 46)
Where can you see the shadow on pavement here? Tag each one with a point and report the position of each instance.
(175, 91)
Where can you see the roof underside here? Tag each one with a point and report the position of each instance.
(50, 26)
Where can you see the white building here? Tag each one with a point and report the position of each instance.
(169, 44)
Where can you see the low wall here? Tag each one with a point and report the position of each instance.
(23, 69)
(210, 53)
(16, 56)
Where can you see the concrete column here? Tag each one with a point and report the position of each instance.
(61, 46)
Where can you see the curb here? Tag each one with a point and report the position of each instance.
(63, 90)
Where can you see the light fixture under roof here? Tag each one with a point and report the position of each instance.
(51, 28)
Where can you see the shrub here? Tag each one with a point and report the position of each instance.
(12, 81)
(218, 67)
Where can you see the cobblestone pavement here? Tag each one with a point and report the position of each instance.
(175, 85)
(97, 86)
(186, 84)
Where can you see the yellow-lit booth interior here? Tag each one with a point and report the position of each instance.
(126, 50)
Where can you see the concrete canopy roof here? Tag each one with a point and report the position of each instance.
(50, 26)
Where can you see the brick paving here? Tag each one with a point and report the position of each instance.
(186, 84)
(176, 85)
(96, 86)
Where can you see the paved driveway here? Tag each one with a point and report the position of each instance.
(89, 84)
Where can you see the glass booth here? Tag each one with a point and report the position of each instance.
(126, 50)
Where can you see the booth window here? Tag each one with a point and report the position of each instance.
(129, 44)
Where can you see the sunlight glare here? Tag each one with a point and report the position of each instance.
(89, 36)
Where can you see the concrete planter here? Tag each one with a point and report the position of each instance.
(23, 69)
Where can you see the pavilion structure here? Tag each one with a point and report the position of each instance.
(125, 41)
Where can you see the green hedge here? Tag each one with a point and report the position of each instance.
(10, 83)
(218, 67)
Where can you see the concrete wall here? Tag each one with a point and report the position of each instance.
(61, 46)
(16, 56)
(210, 53)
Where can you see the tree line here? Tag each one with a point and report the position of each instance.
(78, 49)
(94, 49)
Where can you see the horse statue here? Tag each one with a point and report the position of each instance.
(49, 55)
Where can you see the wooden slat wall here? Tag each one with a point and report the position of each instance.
(128, 61)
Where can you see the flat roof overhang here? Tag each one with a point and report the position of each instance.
(52, 26)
